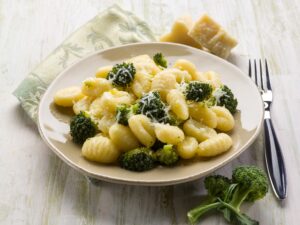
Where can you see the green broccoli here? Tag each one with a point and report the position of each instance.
(160, 60)
(225, 97)
(157, 145)
(123, 114)
(122, 75)
(153, 107)
(174, 120)
(249, 183)
(82, 128)
(139, 159)
(217, 186)
(167, 155)
(198, 91)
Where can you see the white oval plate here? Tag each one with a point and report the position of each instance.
(55, 131)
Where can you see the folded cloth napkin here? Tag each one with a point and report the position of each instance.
(112, 27)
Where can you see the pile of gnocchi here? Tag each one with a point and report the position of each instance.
(142, 102)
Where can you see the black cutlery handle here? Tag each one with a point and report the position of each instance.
(275, 161)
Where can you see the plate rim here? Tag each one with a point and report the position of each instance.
(143, 182)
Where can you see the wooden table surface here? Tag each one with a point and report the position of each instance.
(36, 187)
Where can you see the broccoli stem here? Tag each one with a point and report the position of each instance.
(238, 198)
(194, 214)
(234, 215)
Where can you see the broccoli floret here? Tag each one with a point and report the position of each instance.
(139, 159)
(198, 91)
(225, 97)
(167, 155)
(123, 113)
(157, 145)
(122, 75)
(174, 120)
(82, 128)
(160, 60)
(248, 183)
(153, 107)
(252, 184)
(217, 185)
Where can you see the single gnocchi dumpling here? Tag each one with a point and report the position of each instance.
(100, 149)
(215, 145)
(68, 96)
(186, 65)
(187, 149)
(95, 87)
(200, 77)
(141, 84)
(178, 105)
(95, 108)
(225, 120)
(123, 137)
(212, 78)
(105, 123)
(163, 83)
(203, 114)
(103, 71)
(82, 105)
(198, 130)
(168, 134)
(143, 129)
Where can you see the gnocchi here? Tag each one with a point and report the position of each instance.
(187, 149)
(203, 114)
(68, 96)
(178, 105)
(100, 149)
(103, 71)
(143, 129)
(95, 87)
(163, 83)
(225, 121)
(186, 65)
(215, 145)
(123, 137)
(141, 105)
(83, 104)
(168, 134)
(198, 130)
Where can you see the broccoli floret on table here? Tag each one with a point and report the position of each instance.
(167, 155)
(198, 91)
(139, 159)
(160, 60)
(248, 183)
(153, 107)
(217, 186)
(225, 97)
(122, 75)
(82, 127)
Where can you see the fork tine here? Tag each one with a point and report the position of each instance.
(267, 76)
(261, 77)
(249, 72)
(255, 71)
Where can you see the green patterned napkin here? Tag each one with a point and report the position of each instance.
(112, 27)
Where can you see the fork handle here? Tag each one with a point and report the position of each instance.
(274, 161)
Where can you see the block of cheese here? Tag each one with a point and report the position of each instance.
(179, 32)
(212, 36)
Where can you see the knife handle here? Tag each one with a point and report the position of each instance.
(274, 161)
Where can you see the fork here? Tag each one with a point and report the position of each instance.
(273, 153)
